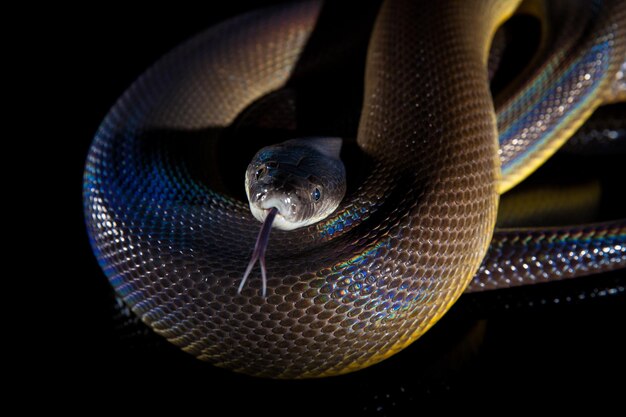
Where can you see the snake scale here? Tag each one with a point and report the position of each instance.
(404, 244)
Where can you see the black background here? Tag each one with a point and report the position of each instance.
(557, 342)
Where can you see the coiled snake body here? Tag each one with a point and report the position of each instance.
(367, 281)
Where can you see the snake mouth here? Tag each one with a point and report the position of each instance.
(266, 212)
(285, 218)
(289, 210)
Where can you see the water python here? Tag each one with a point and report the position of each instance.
(405, 243)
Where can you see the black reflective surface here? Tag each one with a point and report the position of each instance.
(561, 342)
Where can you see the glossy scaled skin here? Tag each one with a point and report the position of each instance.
(347, 292)
(520, 257)
(578, 72)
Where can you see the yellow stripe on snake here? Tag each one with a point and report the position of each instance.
(406, 241)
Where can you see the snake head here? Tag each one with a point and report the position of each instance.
(304, 179)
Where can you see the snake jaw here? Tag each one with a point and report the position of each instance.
(288, 206)
(258, 254)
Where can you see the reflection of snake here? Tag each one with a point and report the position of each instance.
(402, 246)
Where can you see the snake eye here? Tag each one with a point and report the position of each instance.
(260, 173)
(316, 194)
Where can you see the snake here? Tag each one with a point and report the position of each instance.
(415, 231)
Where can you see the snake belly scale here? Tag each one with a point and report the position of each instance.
(366, 282)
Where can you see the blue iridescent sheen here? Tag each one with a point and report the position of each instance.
(520, 257)
(596, 60)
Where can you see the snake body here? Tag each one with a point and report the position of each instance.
(349, 291)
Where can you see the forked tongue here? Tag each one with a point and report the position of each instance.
(259, 251)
